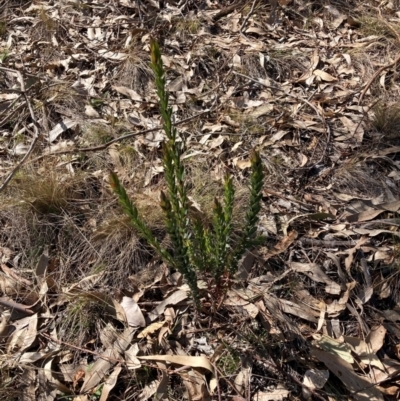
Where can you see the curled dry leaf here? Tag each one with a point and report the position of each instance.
(130, 357)
(162, 388)
(152, 328)
(334, 308)
(242, 379)
(53, 382)
(61, 127)
(376, 338)
(8, 285)
(282, 245)
(349, 260)
(242, 164)
(127, 92)
(324, 76)
(91, 112)
(196, 385)
(275, 308)
(175, 298)
(192, 361)
(302, 311)
(234, 299)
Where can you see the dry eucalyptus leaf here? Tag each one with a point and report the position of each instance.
(108, 359)
(376, 338)
(364, 351)
(242, 164)
(184, 360)
(61, 127)
(360, 387)
(23, 338)
(91, 112)
(133, 313)
(324, 76)
(315, 273)
(130, 357)
(196, 385)
(110, 383)
(278, 394)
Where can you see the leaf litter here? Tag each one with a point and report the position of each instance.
(85, 309)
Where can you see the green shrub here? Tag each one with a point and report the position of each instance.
(196, 248)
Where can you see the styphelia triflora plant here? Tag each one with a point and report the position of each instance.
(195, 247)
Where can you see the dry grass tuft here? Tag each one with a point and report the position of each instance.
(359, 179)
(186, 26)
(135, 73)
(97, 133)
(82, 318)
(386, 120)
(46, 191)
(3, 28)
(279, 64)
(53, 208)
(61, 97)
(10, 388)
(373, 26)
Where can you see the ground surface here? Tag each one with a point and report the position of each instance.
(87, 312)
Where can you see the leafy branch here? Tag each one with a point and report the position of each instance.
(196, 248)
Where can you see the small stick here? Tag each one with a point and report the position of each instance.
(227, 11)
(217, 380)
(88, 351)
(121, 138)
(248, 16)
(106, 358)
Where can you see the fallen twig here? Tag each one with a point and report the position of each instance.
(248, 16)
(325, 243)
(88, 351)
(121, 138)
(12, 305)
(226, 11)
